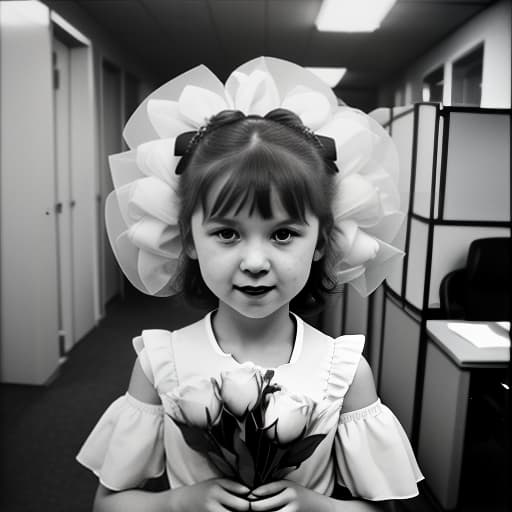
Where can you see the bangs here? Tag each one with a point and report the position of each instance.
(250, 180)
(269, 166)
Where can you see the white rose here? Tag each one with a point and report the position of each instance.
(193, 398)
(240, 388)
(292, 412)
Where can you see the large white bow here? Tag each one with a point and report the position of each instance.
(142, 212)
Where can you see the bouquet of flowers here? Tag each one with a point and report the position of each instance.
(250, 428)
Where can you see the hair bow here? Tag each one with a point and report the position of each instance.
(141, 213)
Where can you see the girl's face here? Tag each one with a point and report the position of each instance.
(255, 266)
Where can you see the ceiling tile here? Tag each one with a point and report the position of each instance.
(190, 35)
(290, 28)
(240, 27)
(171, 36)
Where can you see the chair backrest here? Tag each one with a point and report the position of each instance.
(487, 283)
(451, 292)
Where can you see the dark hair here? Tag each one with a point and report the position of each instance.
(254, 156)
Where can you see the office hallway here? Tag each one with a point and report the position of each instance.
(43, 427)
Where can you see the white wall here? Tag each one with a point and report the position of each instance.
(493, 28)
(29, 302)
(29, 349)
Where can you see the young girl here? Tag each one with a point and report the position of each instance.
(256, 198)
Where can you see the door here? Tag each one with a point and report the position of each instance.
(64, 208)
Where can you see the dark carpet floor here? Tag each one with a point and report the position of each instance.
(44, 427)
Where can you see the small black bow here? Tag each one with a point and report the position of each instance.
(183, 141)
(328, 147)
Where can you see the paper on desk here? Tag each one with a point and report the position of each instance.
(481, 335)
(504, 325)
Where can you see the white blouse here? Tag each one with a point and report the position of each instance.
(366, 450)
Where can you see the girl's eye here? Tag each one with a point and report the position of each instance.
(227, 235)
(283, 235)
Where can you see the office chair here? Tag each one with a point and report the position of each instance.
(481, 290)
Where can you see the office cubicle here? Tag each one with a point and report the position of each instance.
(454, 187)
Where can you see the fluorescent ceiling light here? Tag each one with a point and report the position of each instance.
(331, 76)
(352, 15)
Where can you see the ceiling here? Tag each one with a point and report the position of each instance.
(172, 36)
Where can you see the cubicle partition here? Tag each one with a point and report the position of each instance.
(454, 187)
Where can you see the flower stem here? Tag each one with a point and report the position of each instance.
(273, 465)
(218, 447)
(258, 479)
(266, 462)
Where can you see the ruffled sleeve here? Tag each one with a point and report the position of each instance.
(156, 356)
(374, 458)
(347, 350)
(126, 447)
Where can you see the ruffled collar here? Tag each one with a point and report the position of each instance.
(297, 343)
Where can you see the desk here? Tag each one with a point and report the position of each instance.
(450, 360)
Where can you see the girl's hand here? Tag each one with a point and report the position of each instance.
(286, 496)
(215, 495)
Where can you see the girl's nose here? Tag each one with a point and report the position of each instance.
(254, 260)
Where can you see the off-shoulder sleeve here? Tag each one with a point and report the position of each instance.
(374, 458)
(126, 447)
(155, 352)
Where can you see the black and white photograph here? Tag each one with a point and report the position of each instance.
(255, 255)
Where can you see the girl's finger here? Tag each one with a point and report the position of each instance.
(233, 502)
(270, 489)
(275, 502)
(234, 487)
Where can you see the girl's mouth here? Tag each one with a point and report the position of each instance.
(254, 291)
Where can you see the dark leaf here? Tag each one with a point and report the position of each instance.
(280, 473)
(230, 457)
(269, 455)
(245, 463)
(226, 429)
(222, 465)
(195, 437)
(300, 450)
(251, 432)
(276, 453)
